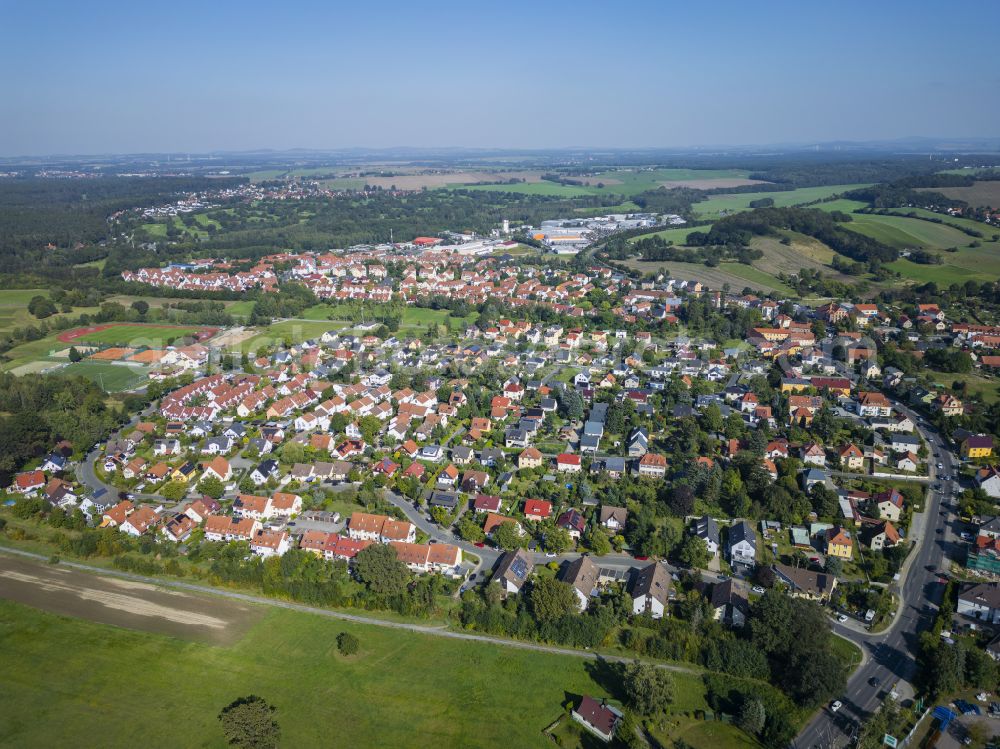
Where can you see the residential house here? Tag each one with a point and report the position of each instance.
(582, 573)
(805, 583)
(742, 544)
(598, 717)
(649, 588)
(513, 570)
(707, 530)
(613, 518)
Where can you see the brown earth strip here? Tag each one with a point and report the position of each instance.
(123, 603)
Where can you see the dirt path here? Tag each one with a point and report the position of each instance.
(61, 589)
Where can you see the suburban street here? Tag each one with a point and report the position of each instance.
(889, 656)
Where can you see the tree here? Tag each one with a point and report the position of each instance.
(140, 306)
(681, 500)
(557, 540)
(598, 541)
(379, 568)
(834, 566)
(249, 722)
(212, 486)
(74, 354)
(469, 530)
(175, 490)
(347, 643)
(41, 307)
(507, 535)
(551, 599)
(693, 553)
(648, 689)
(752, 716)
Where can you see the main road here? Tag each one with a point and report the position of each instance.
(889, 656)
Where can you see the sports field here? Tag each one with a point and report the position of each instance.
(132, 334)
(113, 378)
(120, 687)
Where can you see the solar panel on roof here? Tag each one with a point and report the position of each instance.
(520, 567)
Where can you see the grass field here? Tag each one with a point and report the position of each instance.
(907, 233)
(623, 182)
(113, 378)
(719, 205)
(240, 309)
(14, 309)
(987, 388)
(293, 331)
(677, 236)
(736, 275)
(132, 335)
(403, 689)
(941, 274)
(985, 193)
(540, 188)
(962, 223)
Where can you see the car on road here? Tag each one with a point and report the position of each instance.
(480, 545)
(874, 681)
(835, 706)
(550, 554)
(757, 589)
(842, 618)
(940, 466)
(642, 559)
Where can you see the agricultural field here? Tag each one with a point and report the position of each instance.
(736, 275)
(720, 205)
(112, 377)
(907, 233)
(678, 236)
(985, 193)
(61, 671)
(940, 274)
(626, 182)
(986, 230)
(986, 387)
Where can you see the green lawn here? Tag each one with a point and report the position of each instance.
(421, 317)
(716, 205)
(117, 687)
(113, 378)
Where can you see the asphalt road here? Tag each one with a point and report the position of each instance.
(889, 656)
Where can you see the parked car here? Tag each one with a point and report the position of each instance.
(835, 706)
(842, 618)
(758, 590)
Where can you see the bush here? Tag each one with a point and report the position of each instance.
(347, 643)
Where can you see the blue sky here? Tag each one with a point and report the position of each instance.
(117, 77)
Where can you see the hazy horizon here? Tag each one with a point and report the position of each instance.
(114, 78)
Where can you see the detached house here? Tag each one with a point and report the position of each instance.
(650, 590)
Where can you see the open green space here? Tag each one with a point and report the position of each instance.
(986, 387)
(940, 274)
(402, 688)
(33, 351)
(677, 236)
(907, 233)
(288, 331)
(112, 377)
(958, 222)
(148, 335)
(736, 275)
(240, 309)
(719, 205)
(540, 188)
